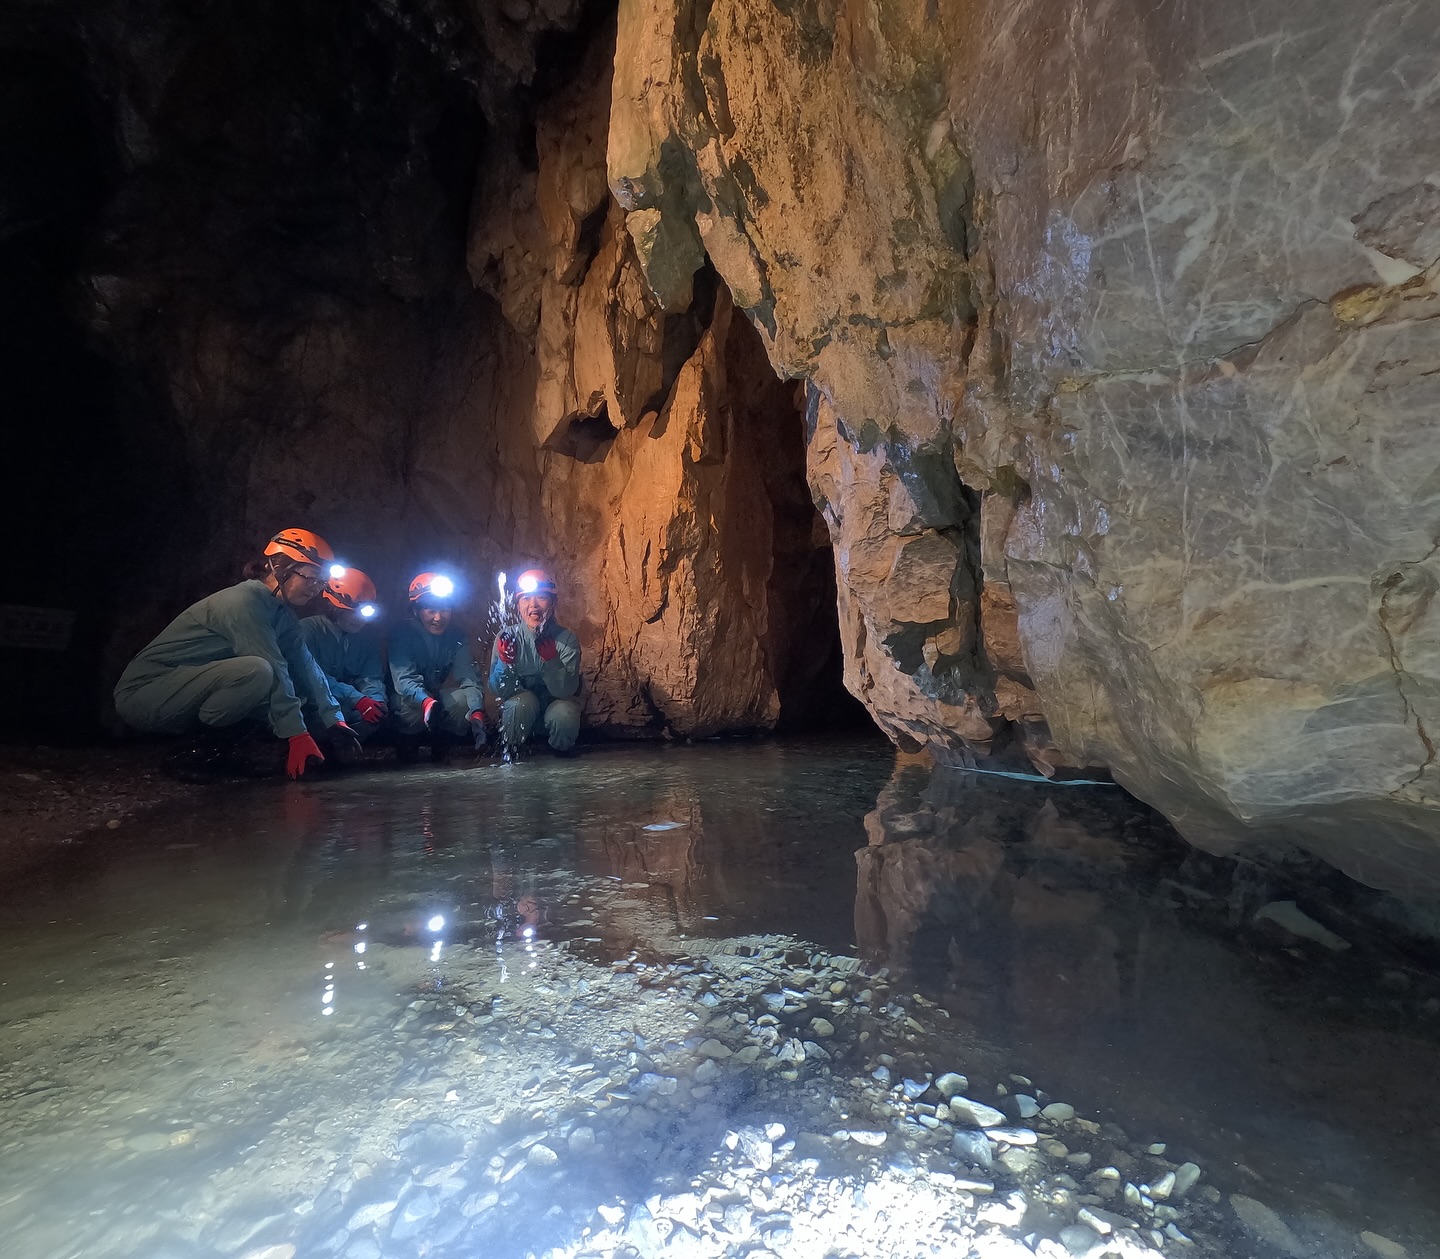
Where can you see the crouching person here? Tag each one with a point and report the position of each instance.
(346, 646)
(435, 686)
(236, 658)
(535, 669)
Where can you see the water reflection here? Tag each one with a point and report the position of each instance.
(1072, 927)
(356, 1008)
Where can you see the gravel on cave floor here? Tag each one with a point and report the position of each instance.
(526, 1011)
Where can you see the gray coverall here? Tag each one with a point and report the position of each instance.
(236, 654)
(421, 663)
(533, 689)
(352, 668)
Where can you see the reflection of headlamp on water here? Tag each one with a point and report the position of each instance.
(515, 918)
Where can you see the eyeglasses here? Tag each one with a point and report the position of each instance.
(311, 580)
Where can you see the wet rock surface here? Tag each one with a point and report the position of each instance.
(52, 796)
(1093, 378)
(624, 1011)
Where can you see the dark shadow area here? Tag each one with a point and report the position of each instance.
(806, 656)
(183, 190)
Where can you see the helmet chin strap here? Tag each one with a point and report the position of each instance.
(281, 576)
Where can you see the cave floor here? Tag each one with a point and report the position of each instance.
(707, 1000)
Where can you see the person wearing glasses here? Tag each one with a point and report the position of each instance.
(235, 658)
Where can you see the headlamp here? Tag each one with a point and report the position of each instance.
(528, 585)
(337, 571)
(442, 587)
(436, 923)
(367, 610)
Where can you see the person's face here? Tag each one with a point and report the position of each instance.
(436, 620)
(535, 609)
(302, 583)
(350, 621)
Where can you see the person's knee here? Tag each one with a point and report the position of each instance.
(562, 724)
(253, 678)
(517, 716)
(408, 715)
(237, 689)
(457, 713)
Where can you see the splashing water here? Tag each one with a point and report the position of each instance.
(499, 618)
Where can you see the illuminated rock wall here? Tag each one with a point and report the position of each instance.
(1121, 321)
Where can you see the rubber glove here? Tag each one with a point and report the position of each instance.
(426, 709)
(302, 750)
(546, 647)
(370, 710)
(507, 648)
(478, 732)
(345, 743)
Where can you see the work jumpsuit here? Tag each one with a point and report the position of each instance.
(351, 665)
(421, 664)
(236, 654)
(532, 689)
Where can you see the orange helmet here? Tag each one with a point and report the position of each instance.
(300, 546)
(535, 581)
(432, 586)
(350, 590)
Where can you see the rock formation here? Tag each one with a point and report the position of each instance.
(1124, 320)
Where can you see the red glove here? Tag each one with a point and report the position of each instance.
(427, 708)
(370, 710)
(507, 648)
(546, 647)
(302, 750)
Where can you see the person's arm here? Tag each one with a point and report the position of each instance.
(303, 668)
(319, 637)
(406, 673)
(368, 671)
(467, 677)
(562, 674)
(249, 627)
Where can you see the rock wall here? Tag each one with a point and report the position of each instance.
(1120, 321)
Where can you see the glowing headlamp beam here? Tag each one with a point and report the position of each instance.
(337, 571)
(367, 610)
(442, 587)
(528, 585)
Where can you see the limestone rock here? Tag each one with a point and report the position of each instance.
(1198, 405)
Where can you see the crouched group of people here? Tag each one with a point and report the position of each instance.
(242, 658)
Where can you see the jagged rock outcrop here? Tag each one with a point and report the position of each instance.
(1160, 286)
